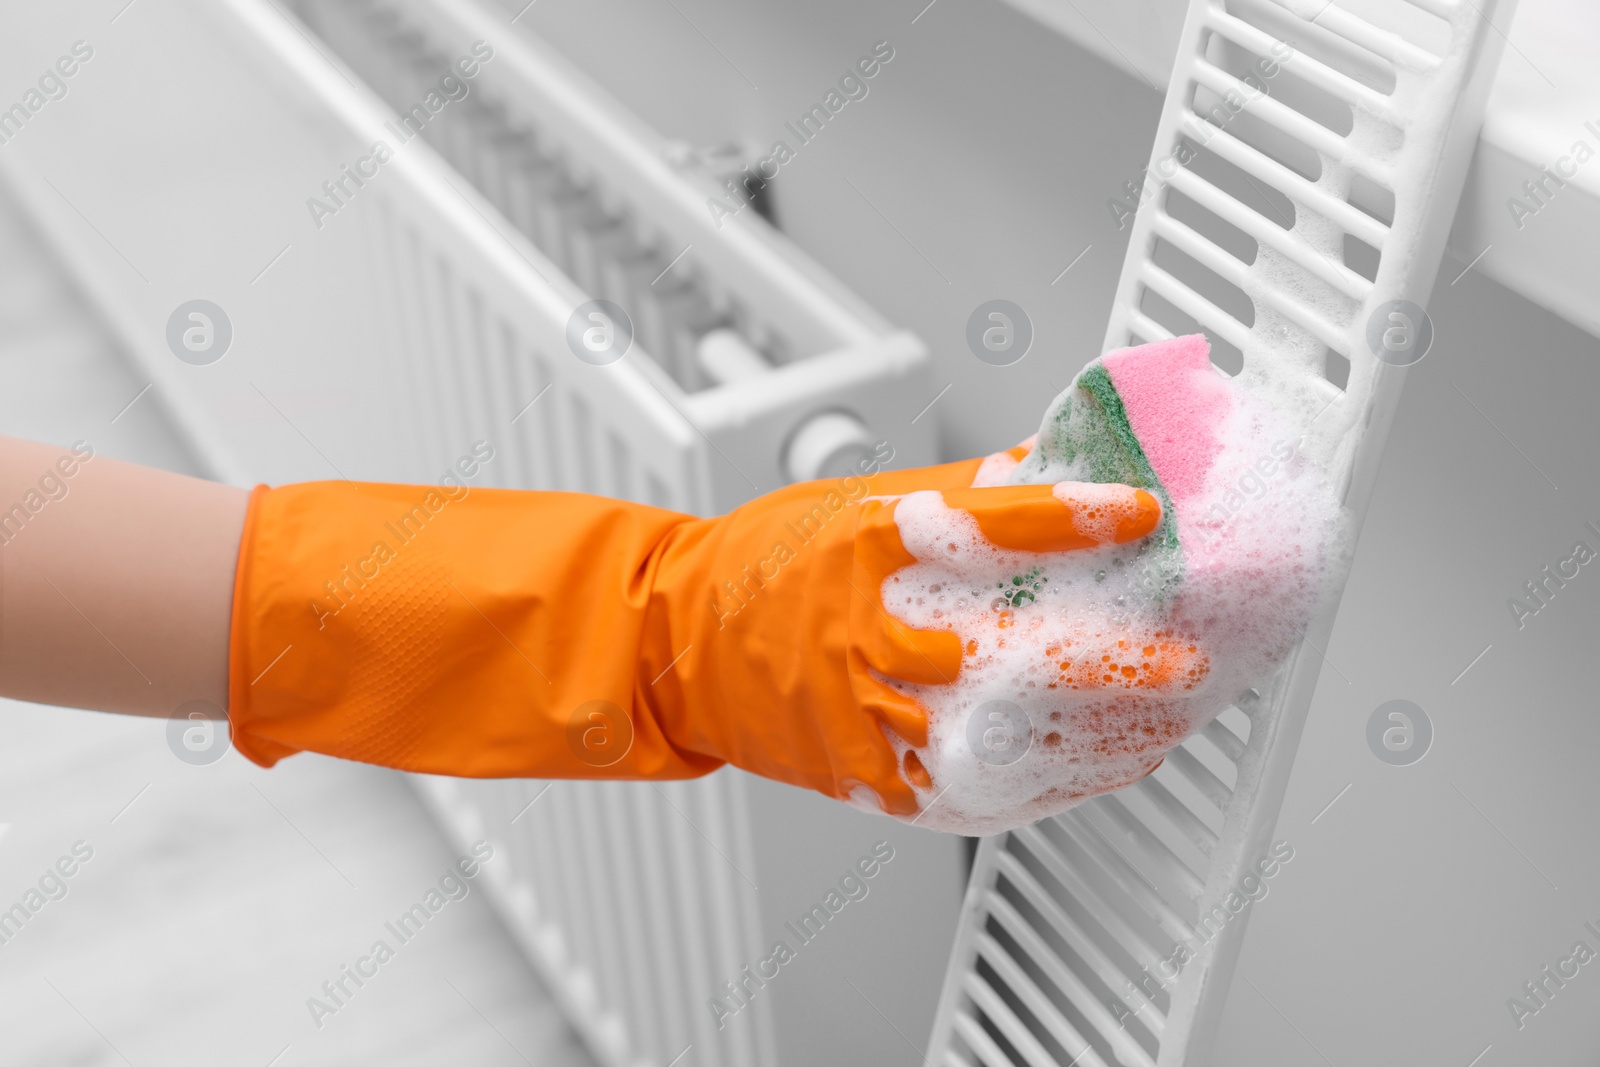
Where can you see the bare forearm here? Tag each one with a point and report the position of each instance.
(116, 581)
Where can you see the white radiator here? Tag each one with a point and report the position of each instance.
(1280, 226)
(428, 307)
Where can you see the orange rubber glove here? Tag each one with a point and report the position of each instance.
(498, 633)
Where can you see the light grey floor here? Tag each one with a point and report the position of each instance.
(218, 899)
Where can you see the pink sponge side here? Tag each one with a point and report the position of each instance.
(1175, 403)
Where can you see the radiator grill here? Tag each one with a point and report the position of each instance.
(1305, 171)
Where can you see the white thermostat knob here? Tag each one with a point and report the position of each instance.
(829, 445)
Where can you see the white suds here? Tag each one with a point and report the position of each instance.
(1083, 669)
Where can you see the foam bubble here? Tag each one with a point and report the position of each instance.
(1116, 654)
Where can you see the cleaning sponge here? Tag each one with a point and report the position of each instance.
(1082, 669)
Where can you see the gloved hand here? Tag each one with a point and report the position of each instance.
(498, 633)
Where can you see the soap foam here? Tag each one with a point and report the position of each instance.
(1102, 660)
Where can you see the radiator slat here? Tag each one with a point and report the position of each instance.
(1048, 1016)
(1079, 941)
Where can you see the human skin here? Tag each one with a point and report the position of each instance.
(116, 593)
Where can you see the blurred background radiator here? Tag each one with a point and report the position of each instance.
(439, 315)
